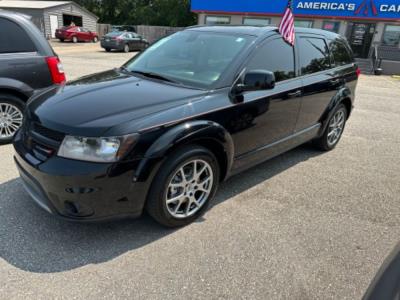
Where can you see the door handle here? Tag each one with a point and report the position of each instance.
(294, 94)
(335, 81)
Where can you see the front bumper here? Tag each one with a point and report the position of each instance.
(81, 191)
(112, 45)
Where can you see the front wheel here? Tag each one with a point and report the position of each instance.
(11, 116)
(184, 187)
(74, 39)
(334, 130)
(126, 48)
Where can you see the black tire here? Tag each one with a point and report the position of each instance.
(156, 204)
(74, 39)
(12, 100)
(126, 48)
(62, 40)
(323, 143)
(108, 50)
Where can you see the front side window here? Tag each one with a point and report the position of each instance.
(303, 23)
(314, 55)
(341, 54)
(391, 35)
(217, 20)
(256, 21)
(194, 58)
(331, 26)
(275, 56)
(13, 39)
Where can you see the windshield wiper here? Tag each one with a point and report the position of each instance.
(155, 76)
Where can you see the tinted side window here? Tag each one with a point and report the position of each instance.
(275, 56)
(314, 55)
(340, 52)
(13, 38)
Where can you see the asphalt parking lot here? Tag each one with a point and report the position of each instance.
(305, 225)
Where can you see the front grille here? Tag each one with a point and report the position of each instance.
(40, 141)
(48, 133)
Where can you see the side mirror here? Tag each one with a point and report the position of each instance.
(256, 80)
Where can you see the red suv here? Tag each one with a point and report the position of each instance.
(76, 34)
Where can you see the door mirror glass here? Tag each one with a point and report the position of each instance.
(256, 80)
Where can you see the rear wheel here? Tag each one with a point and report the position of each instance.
(184, 187)
(126, 48)
(108, 49)
(62, 40)
(74, 39)
(334, 130)
(11, 116)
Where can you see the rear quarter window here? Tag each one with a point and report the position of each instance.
(13, 39)
(340, 52)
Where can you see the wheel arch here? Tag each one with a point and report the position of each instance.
(16, 88)
(342, 97)
(207, 134)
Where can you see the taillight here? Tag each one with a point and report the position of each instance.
(358, 72)
(56, 70)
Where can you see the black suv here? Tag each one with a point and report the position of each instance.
(196, 107)
(27, 64)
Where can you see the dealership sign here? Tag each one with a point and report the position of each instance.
(357, 9)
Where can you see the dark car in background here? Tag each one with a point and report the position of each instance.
(123, 41)
(161, 132)
(28, 64)
(76, 34)
(130, 28)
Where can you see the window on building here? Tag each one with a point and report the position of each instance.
(391, 35)
(275, 56)
(331, 26)
(17, 41)
(340, 52)
(304, 23)
(314, 55)
(217, 20)
(256, 21)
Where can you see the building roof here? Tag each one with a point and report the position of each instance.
(31, 4)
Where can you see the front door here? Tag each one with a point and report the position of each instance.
(270, 115)
(360, 36)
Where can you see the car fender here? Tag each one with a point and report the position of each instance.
(183, 134)
(17, 86)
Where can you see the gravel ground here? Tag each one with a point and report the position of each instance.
(305, 225)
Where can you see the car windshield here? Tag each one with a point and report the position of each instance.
(114, 33)
(192, 58)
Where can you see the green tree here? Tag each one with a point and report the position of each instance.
(142, 12)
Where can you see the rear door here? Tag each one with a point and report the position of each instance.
(271, 115)
(320, 82)
(136, 41)
(20, 60)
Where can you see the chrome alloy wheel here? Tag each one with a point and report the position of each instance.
(336, 126)
(189, 188)
(11, 119)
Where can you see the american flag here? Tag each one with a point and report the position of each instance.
(286, 27)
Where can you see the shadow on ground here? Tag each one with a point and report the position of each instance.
(34, 241)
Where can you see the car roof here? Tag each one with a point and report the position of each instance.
(257, 30)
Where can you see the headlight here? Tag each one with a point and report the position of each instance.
(103, 149)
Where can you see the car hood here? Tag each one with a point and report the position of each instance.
(93, 104)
